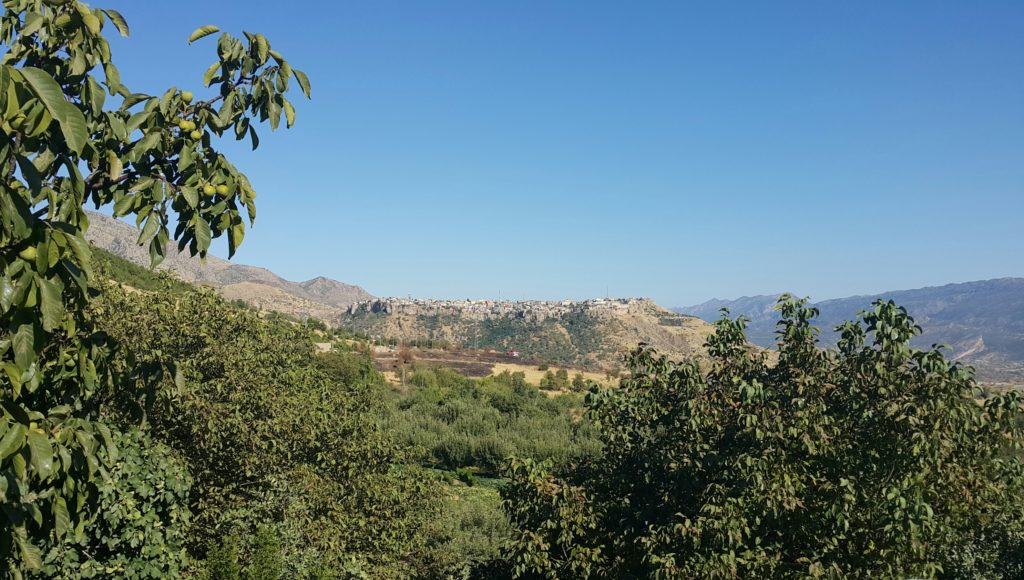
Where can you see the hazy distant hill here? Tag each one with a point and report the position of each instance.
(593, 334)
(320, 298)
(982, 322)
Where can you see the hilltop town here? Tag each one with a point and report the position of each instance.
(589, 333)
(532, 310)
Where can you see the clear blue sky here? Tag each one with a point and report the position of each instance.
(675, 150)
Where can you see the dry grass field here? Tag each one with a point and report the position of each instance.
(534, 375)
(471, 363)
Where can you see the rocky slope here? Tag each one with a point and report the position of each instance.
(320, 298)
(593, 334)
(982, 322)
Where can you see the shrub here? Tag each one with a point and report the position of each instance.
(872, 459)
(142, 516)
(466, 476)
(452, 421)
(257, 415)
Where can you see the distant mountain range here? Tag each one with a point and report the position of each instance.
(321, 298)
(982, 322)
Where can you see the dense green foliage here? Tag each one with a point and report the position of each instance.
(257, 415)
(63, 144)
(125, 272)
(143, 516)
(456, 422)
(869, 460)
(467, 533)
(469, 429)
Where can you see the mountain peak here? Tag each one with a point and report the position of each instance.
(321, 297)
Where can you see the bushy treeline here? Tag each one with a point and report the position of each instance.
(457, 422)
(134, 275)
(872, 459)
(239, 452)
(278, 441)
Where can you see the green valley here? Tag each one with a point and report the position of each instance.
(166, 413)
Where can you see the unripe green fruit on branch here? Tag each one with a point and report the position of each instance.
(223, 189)
(186, 96)
(197, 135)
(28, 253)
(209, 190)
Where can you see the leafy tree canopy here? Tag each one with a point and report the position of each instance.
(872, 459)
(273, 434)
(74, 133)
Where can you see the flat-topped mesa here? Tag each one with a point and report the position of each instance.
(484, 309)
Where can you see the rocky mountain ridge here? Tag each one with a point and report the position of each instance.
(982, 322)
(321, 298)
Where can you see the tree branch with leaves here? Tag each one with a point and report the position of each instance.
(73, 133)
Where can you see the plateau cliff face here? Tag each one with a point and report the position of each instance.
(591, 333)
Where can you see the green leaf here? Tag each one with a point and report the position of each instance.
(42, 453)
(108, 441)
(61, 518)
(191, 196)
(262, 49)
(235, 236)
(201, 32)
(12, 440)
(88, 18)
(134, 99)
(31, 556)
(24, 346)
(203, 235)
(33, 22)
(150, 229)
(71, 120)
(157, 251)
(185, 158)
(148, 142)
(119, 22)
(285, 73)
(30, 172)
(289, 113)
(166, 101)
(179, 378)
(116, 165)
(227, 111)
(96, 96)
(113, 79)
(208, 75)
(303, 81)
(123, 204)
(52, 304)
(274, 111)
(137, 120)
